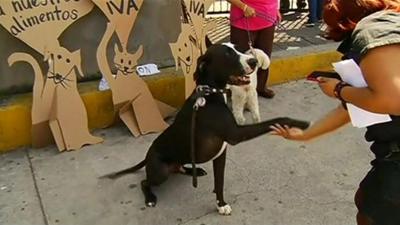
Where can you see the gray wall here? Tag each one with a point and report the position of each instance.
(157, 25)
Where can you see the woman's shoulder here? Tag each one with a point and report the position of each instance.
(378, 29)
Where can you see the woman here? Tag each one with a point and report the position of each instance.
(374, 30)
(254, 21)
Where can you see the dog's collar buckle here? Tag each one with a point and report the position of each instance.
(200, 102)
(204, 90)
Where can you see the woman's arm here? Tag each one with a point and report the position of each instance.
(382, 75)
(330, 122)
(247, 10)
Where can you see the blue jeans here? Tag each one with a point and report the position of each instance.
(315, 8)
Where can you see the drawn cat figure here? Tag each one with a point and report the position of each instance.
(131, 97)
(57, 104)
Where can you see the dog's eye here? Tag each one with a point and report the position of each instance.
(59, 57)
(122, 60)
(129, 62)
(179, 49)
(68, 60)
(185, 45)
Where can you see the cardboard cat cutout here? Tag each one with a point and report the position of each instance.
(58, 113)
(191, 41)
(132, 98)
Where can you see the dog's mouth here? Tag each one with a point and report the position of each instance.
(243, 79)
(239, 80)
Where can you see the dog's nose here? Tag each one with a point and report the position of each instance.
(252, 63)
(126, 68)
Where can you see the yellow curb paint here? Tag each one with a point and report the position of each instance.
(15, 117)
(294, 68)
(15, 126)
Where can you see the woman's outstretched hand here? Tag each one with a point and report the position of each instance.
(291, 133)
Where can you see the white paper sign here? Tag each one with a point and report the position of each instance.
(351, 74)
(103, 85)
(147, 69)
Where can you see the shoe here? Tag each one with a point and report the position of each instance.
(309, 24)
(267, 93)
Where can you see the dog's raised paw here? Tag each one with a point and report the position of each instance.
(225, 210)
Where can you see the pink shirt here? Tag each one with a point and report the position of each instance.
(266, 11)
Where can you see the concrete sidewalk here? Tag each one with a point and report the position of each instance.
(268, 180)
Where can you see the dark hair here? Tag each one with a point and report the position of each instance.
(341, 16)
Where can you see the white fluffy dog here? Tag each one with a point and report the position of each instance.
(245, 96)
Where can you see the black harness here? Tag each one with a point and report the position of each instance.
(200, 93)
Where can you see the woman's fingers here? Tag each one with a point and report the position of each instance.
(279, 130)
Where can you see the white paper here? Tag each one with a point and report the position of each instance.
(351, 74)
(147, 69)
(103, 85)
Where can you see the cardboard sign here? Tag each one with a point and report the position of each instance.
(39, 23)
(56, 104)
(191, 42)
(122, 14)
(137, 108)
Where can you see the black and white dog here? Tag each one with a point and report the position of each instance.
(215, 126)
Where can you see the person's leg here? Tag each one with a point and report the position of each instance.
(264, 40)
(312, 8)
(319, 9)
(240, 38)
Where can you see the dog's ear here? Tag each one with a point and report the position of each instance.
(116, 48)
(201, 67)
(262, 58)
(173, 47)
(46, 55)
(138, 54)
(77, 58)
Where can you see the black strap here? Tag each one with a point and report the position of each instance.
(192, 149)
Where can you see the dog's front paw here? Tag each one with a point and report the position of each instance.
(300, 124)
(293, 123)
(225, 210)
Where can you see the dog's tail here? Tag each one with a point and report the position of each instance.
(133, 169)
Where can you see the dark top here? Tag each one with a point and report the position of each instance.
(378, 29)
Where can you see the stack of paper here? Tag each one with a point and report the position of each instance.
(351, 73)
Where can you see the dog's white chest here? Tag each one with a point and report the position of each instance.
(223, 147)
(224, 144)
